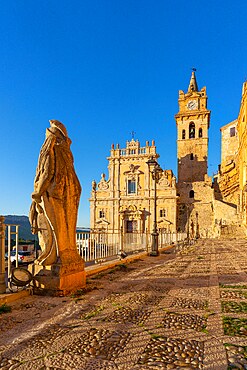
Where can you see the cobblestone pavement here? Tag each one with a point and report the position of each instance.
(183, 311)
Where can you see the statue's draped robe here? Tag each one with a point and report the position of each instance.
(55, 216)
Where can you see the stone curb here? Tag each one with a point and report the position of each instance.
(94, 270)
(11, 297)
(90, 271)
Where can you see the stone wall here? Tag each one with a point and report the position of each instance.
(229, 142)
(197, 209)
(227, 183)
(242, 153)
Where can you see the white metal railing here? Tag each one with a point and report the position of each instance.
(171, 238)
(12, 230)
(135, 242)
(98, 246)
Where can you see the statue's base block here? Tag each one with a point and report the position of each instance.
(2, 283)
(58, 279)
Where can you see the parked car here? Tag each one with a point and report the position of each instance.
(23, 257)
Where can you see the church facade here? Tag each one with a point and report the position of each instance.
(125, 200)
(194, 202)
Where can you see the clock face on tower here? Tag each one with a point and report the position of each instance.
(192, 104)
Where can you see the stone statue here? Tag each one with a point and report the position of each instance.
(53, 212)
(94, 185)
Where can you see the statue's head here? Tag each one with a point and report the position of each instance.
(58, 125)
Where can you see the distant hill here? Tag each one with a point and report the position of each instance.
(24, 228)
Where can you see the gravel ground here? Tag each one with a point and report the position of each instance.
(183, 311)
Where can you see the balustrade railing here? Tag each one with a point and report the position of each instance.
(99, 246)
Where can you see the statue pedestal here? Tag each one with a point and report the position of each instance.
(58, 279)
(2, 283)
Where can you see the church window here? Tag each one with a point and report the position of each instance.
(131, 226)
(101, 214)
(162, 213)
(183, 134)
(192, 130)
(192, 194)
(132, 151)
(200, 132)
(232, 131)
(123, 152)
(131, 186)
(191, 156)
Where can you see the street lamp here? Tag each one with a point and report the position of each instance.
(155, 170)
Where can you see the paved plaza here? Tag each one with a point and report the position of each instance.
(184, 310)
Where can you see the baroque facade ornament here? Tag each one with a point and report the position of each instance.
(164, 180)
(103, 184)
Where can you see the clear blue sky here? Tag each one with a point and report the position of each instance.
(105, 68)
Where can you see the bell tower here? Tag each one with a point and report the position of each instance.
(192, 122)
(194, 186)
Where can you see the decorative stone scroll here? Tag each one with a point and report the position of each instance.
(133, 171)
(164, 180)
(103, 184)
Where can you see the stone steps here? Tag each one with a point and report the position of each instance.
(233, 231)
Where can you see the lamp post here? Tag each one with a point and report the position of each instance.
(155, 170)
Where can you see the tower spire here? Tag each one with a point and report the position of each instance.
(193, 84)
